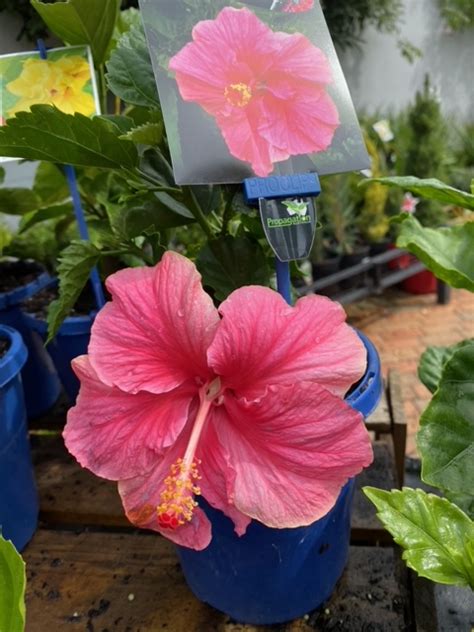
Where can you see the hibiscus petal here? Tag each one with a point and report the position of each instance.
(117, 435)
(155, 333)
(300, 60)
(303, 124)
(292, 451)
(262, 340)
(242, 137)
(217, 476)
(141, 497)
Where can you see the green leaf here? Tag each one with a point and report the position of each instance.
(12, 588)
(6, 237)
(431, 188)
(230, 262)
(50, 184)
(174, 205)
(156, 165)
(149, 134)
(142, 214)
(463, 501)
(446, 436)
(48, 212)
(436, 536)
(45, 133)
(120, 123)
(75, 264)
(447, 252)
(432, 363)
(130, 73)
(89, 22)
(18, 201)
(2, 175)
(127, 18)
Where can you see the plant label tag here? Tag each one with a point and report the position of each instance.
(289, 226)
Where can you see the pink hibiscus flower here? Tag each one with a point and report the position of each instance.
(266, 90)
(298, 6)
(242, 405)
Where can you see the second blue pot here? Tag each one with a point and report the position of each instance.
(269, 576)
(19, 503)
(40, 380)
(71, 341)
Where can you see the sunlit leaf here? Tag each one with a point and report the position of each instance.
(432, 363)
(45, 133)
(437, 537)
(447, 252)
(431, 189)
(12, 588)
(446, 436)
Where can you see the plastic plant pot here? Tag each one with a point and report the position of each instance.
(19, 505)
(270, 576)
(422, 283)
(71, 341)
(40, 381)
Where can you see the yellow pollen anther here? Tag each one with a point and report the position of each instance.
(177, 499)
(238, 94)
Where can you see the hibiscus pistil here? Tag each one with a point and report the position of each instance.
(177, 499)
(238, 94)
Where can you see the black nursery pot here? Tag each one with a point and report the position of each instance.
(325, 268)
(379, 247)
(348, 261)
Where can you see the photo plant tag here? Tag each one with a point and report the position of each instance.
(65, 79)
(248, 87)
(289, 226)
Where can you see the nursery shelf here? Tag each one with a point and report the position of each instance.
(90, 570)
(371, 276)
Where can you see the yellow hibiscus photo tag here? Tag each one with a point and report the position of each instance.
(66, 79)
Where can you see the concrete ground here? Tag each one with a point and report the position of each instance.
(402, 326)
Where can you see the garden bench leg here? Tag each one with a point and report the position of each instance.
(399, 424)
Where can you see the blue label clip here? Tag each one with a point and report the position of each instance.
(300, 185)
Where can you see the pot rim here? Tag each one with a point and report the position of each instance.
(15, 358)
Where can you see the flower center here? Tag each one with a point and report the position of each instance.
(177, 499)
(238, 94)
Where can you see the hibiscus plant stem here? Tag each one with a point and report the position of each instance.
(194, 207)
(228, 210)
(103, 89)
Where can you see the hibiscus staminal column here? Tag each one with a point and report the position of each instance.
(177, 499)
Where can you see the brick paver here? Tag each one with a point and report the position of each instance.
(402, 326)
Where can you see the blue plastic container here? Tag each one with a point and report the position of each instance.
(71, 341)
(40, 381)
(19, 505)
(269, 576)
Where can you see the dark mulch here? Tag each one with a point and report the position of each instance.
(14, 274)
(39, 303)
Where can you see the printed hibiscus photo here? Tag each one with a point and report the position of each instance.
(251, 89)
(66, 79)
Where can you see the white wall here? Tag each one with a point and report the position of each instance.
(381, 79)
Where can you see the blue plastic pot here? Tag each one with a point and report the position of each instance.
(19, 505)
(269, 576)
(71, 341)
(40, 380)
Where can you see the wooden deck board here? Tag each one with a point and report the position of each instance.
(71, 496)
(83, 575)
(94, 582)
